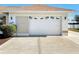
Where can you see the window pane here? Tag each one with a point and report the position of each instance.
(41, 18)
(57, 18)
(35, 18)
(47, 17)
(52, 17)
(30, 17)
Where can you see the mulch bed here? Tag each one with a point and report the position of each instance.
(3, 40)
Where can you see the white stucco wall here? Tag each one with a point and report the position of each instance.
(62, 15)
(64, 23)
(13, 20)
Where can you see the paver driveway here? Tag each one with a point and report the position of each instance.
(35, 45)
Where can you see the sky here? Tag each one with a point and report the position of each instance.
(66, 6)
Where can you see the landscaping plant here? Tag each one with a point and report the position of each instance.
(8, 30)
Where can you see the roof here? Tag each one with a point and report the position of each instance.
(36, 7)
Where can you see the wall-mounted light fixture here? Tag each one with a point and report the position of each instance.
(30, 17)
(11, 18)
(65, 18)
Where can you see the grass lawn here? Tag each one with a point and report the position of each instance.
(73, 29)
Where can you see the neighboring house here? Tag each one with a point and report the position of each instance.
(37, 19)
(73, 24)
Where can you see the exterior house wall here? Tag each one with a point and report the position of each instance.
(73, 24)
(7, 20)
(13, 20)
(64, 22)
(65, 25)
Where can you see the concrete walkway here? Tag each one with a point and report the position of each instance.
(74, 36)
(40, 45)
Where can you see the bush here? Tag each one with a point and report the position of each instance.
(74, 29)
(8, 30)
(77, 28)
(13, 28)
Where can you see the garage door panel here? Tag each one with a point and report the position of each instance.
(34, 27)
(45, 26)
(51, 27)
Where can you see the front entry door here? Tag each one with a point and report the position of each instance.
(22, 25)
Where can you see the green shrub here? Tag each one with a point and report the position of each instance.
(77, 28)
(74, 29)
(13, 27)
(8, 30)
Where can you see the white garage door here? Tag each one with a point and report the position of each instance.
(45, 25)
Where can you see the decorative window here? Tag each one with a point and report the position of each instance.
(41, 18)
(30, 17)
(57, 18)
(35, 18)
(47, 17)
(52, 17)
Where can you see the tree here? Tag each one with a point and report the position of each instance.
(77, 18)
